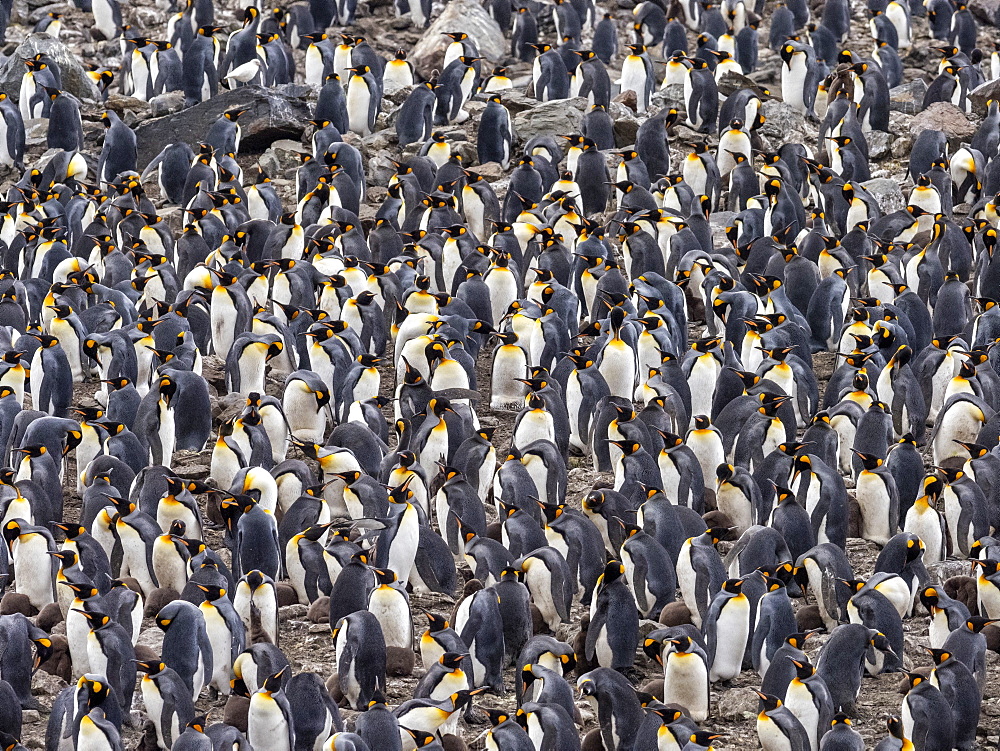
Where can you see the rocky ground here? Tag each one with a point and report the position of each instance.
(274, 135)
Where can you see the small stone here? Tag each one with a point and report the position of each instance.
(626, 124)
(887, 193)
(627, 99)
(290, 612)
(46, 684)
(490, 171)
(783, 123)
(879, 144)
(901, 147)
(737, 704)
(670, 96)
(164, 104)
(30, 716)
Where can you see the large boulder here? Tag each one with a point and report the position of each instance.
(272, 114)
(784, 124)
(458, 15)
(908, 98)
(946, 117)
(987, 11)
(74, 78)
(555, 118)
(983, 93)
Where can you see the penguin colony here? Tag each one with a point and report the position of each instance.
(606, 316)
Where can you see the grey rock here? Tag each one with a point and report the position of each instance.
(272, 114)
(982, 94)
(282, 157)
(458, 15)
(46, 684)
(887, 193)
(737, 704)
(671, 96)
(380, 169)
(164, 104)
(550, 118)
(129, 109)
(783, 123)
(626, 125)
(946, 117)
(732, 82)
(908, 97)
(901, 147)
(987, 11)
(74, 78)
(943, 570)
(293, 611)
(879, 144)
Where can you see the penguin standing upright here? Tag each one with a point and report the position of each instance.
(727, 629)
(270, 719)
(226, 633)
(614, 622)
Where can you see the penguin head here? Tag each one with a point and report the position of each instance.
(940, 656)
(593, 502)
(72, 531)
(704, 739)
(96, 620)
(768, 703)
(212, 592)
(436, 622)
(716, 534)
(773, 582)
(95, 689)
(733, 586)
(803, 668)
(613, 570)
(724, 473)
(150, 667)
(869, 461)
(82, 591)
(914, 548)
(497, 716)
(914, 679)
(198, 723)
(238, 687)
(67, 558)
(384, 577)
(989, 567)
(977, 623)
(627, 447)
(653, 648)
(272, 684)
(421, 738)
